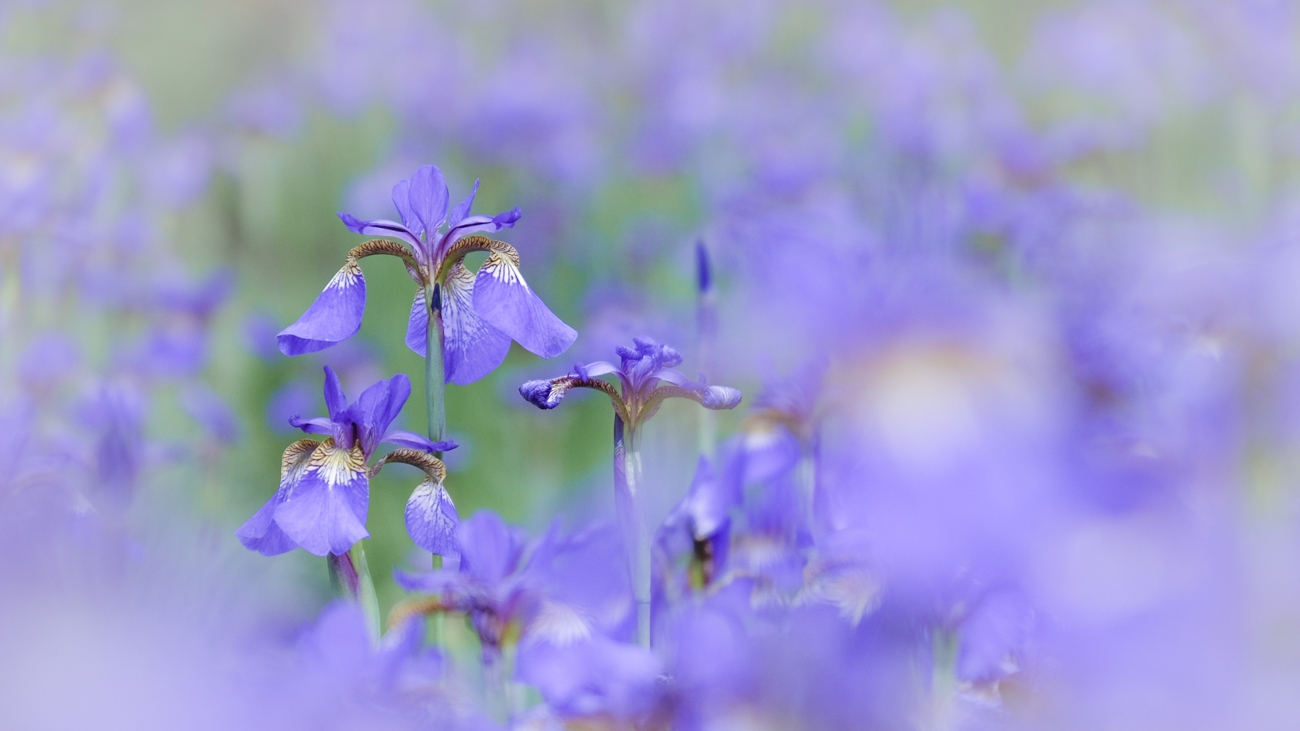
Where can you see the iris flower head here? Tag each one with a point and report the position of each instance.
(480, 313)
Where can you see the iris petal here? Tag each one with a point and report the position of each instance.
(325, 511)
(460, 211)
(334, 317)
(402, 200)
(474, 348)
(431, 519)
(504, 299)
(428, 197)
(261, 533)
(417, 325)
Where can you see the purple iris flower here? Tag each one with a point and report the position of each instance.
(647, 375)
(324, 493)
(495, 584)
(479, 313)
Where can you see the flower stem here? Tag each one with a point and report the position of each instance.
(627, 498)
(435, 401)
(495, 693)
(435, 386)
(350, 576)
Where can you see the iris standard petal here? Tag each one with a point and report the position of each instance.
(335, 400)
(431, 519)
(473, 348)
(377, 407)
(504, 299)
(334, 317)
(459, 213)
(428, 197)
(402, 201)
(325, 511)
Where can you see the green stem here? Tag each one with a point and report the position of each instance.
(435, 385)
(435, 400)
(495, 692)
(627, 486)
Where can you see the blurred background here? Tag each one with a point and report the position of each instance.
(170, 173)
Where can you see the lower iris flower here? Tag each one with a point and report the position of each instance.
(324, 493)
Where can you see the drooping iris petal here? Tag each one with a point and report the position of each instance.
(431, 519)
(417, 325)
(325, 511)
(504, 299)
(543, 394)
(380, 227)
(261, 533)
(334, 317)
(720, 397)
(473, 347)
(428, 197)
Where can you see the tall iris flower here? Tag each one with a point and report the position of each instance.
(474, 316)
(324, 492)
(647, 376)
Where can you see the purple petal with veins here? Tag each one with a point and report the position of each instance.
(334, 317)
(431, 519)
(325, 511)
(504, 299)
(417, 324)
(428, 197)
(473, 347)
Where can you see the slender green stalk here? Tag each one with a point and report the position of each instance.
(435, 386)
(495, 693)
(627, 486)
(366, 591)
(435, 400)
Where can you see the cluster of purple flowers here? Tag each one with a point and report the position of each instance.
(1018, 363)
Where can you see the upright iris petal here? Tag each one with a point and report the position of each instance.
(504, 299)
(402, 201)
(334, 317)
(428, 197)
